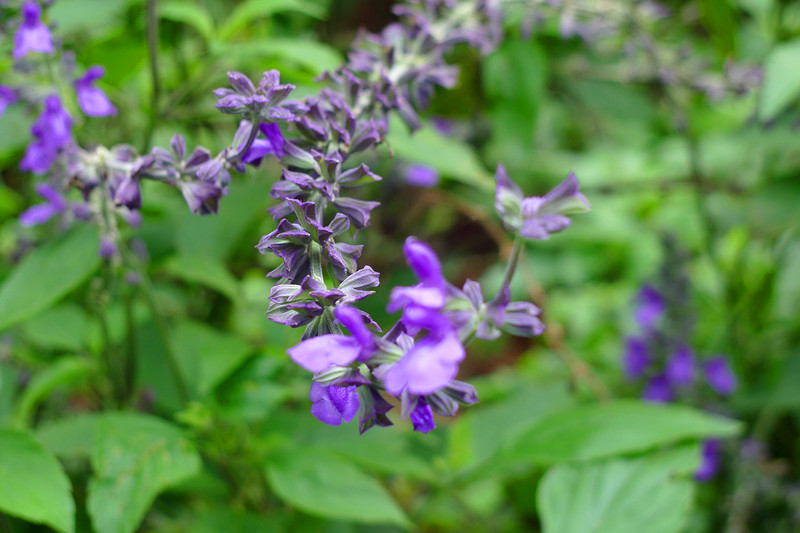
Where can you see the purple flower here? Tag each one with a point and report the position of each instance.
(710, 455)
(373, 410)
(651, 307)
(658, 390)
(333, 404)
(108, 247)
(427, 367)
(422, 417)
(54, 124)
(680, 367)
(262, 103)
(421, 176)
(201, 196)
(637, 357)
(33, 35)
(41, 213)
(92, 99)
(719, 375)
(536, 217)
(271, 144)
(8, 96)
(39, 155)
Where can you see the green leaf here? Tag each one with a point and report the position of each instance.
(64, 372)
(205, 270)
(450, 157)
(601, 430)
(77, 16)
(207, 356)
(69, 437)
(781, 79)
(47, 274)
(251, 10)
(9, 376)
(35, 487)
(134, 457)
(192, 14)
(322, 484)
(719, 19)
(62, 327)
(13, 121)
(652, 493)
(315, 56)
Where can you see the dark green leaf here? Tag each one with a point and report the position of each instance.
(193, 14)
(62, 327)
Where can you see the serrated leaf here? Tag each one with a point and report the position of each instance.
(134, 457)
(781, 79)
(652, 493)
(325, 485)
(47, 274)
(35, 487)
(192, 14)
(602, 430)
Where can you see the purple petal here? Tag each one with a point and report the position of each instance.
(428, 367)
(720, 376)
(421, 176)
(637, 357)
(651, 307)
(710, 455)
(333, 404)
(423, 261)
(37, 214)
(422, 417)
(680, 367)
(320, 353)
(658, 390)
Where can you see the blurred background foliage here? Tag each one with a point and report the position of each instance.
(560, 442)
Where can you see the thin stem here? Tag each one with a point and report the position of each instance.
(152, 49)
(162, 328)
(513, 261)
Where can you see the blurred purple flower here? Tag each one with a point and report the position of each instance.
(719, 375)
(333, 404)
(108, 247)
(651, 307)
(658, 390)
(41, 213)
(421, 176)
(8, 96)
(710, 455)
(636, 358)
(427, 367)
(271, 144)
(32, 35)
(92, 99)
(51, 131)
(680, 367)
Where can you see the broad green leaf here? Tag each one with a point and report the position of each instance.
(13, 121)
(322, 484)
(206, 270)
(75, 16)
(134, 457)
(450, 157)
(652, 493)
(781, 79)
(720, 21)
(62, 327)
(34, 487)
(64, 372)
(47, 274)
(71, 437)
(193, 14)
(252, 10)
(9, 376)
(207, 356)
(312, 55)
(231, 521)
(601, 430)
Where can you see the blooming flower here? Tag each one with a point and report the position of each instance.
(41, 213)
(32, 35)
(536, 217)
(428, 367)
(332, 404)
(719, 375)
(92, 99)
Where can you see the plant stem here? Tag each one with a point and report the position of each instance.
(513, 261)
(152, 49)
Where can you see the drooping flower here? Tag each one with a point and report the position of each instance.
(536, 217)
(651, 307)
(333, 403)
(32, 35)
(719, 375)
(41, 213)
(680, 367)
(92, 99)
(710, 456)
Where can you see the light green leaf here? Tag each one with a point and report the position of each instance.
(47, 274)
(62, 327)
(75, 16)
(192, 14)
(69, 437)
(205, 270)
(450, 157)
(252, 10)
(601, 430)
(64, 372)
(653, 493)
(134, 457)
(207, 356)
(35, 487)
(13, 121)
(781, 79)
(322, 484)
(315, 56)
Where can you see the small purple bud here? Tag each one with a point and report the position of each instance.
(719, 375)
(421, 176)
(680, 367)
(92, 100)
(108, 248)
(651, 307)
(637, 358)
(710, 455)
(422, 417)
(658, 390)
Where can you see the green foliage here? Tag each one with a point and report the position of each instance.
(781, 80)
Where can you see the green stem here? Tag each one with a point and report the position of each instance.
(513, 261)
(152, 49)
(315, 254)
(162, 328)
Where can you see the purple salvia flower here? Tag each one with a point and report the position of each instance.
(430, 295)
(41, 213)
(536, 217)
(332, 404)
(719, 375)
(39, 155)
(92, 99)
(422, 417)
(426, 368)
(108, 248)
(680, 367)
(658, 390)
(54, 124)
(710, 456)
(32, 35)
(8, 96)
(373, 410)
(651, 307)
(421, 176)
(637, 357)
(201, 196)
